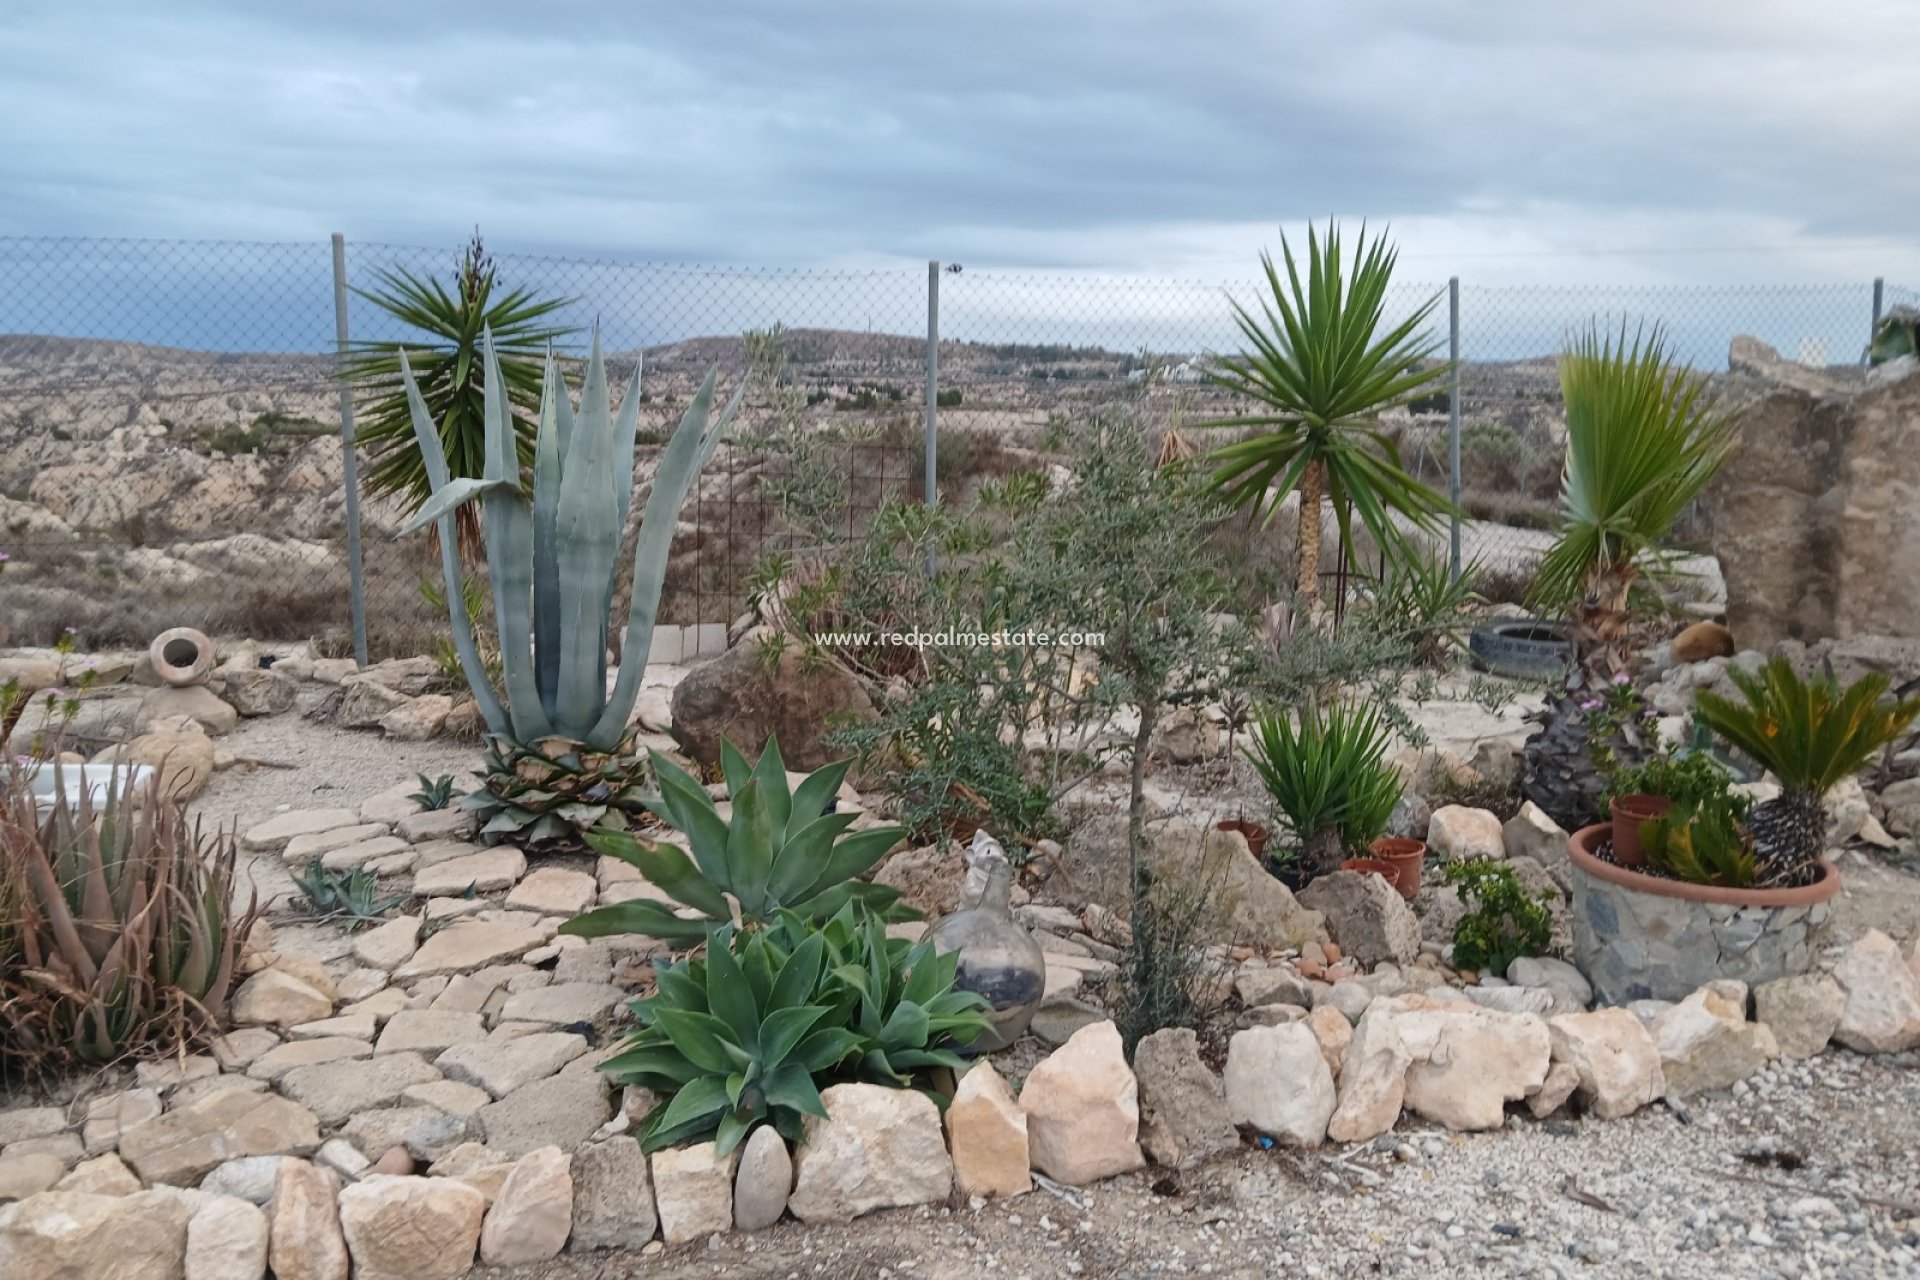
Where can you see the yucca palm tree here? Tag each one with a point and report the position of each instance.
(1318, 363)
(446, 364)
(1644, 436)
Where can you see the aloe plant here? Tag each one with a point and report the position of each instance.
(551, 562)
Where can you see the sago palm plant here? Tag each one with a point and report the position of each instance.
(1318, 364)
(446, 364)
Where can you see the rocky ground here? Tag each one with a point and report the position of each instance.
(1806, 1171)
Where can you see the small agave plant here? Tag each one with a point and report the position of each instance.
(559, 756)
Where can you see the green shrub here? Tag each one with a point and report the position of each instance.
(1329, 776)
(751, 1030)
(1690, 779)
(1165, 979)
(781, 850)
(1503, 921)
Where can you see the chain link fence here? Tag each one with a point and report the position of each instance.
(170, 426)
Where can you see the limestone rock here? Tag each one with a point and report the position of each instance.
(484, 872)
(1248, 905)
(987, 1133)
(305, 1241)
(196, 702)
(389, 945)
(275, 998)
(421, 719)
(1457, 833)
(876, 1148)
(1184, 1117)
(1373, 1079)
(565, 1110)
(468, 945)
(1615, 1060)
(336, 1091)
(533, 1214)
(613, 1196)
(1882, 1009)
(764, 1180)
(928, 878)
(259, 691)
(1257, 987)
(184, 1144)
(554, 891)
(1469, 1062)
(184, 759)
(1334, 1030)
(693, 1190)
(737, 698)
(501, 1066)
(1083, 1109)
(1706, 1043)
(226, 1240)
(1561, 1083)
(105, 1175)
(1571, 991)
(1530, 833)
(68, 1235)
(400, 1227)
(1277, 1081)
(1802, 1011)
(366, 703)
(430, 1030)
(275, 832)
(29, 1173)
(111, 1117)
(1366, 916)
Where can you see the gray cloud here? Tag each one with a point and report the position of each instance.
(1126, 135)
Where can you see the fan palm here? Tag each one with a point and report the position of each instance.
(1317, 362)
(446, 366)
(1643, 438)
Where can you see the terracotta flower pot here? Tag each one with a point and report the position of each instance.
(1629, 812)
(1256, 835)
(1405, 856)
(1370, 866)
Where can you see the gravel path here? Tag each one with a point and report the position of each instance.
(1796, 1175)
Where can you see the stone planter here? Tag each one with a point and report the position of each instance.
(1640, 937)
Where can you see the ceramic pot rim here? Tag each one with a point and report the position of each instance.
(1583, 842)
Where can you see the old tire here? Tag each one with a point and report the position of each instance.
(1524, 648)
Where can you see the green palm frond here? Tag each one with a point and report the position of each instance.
(1316, 360)
(447, 362)
(1810, 733)
(1644, 436)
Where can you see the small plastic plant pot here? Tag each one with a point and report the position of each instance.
(181, 657)
(1255, 834)
(1405, 856)
(1629, 811)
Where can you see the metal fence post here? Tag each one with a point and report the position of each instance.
(932, 441)
(1453, 420)
(349, 462)
(1873, 330)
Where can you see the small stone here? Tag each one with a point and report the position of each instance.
(1277, 1081)
(275, 998)
(1561, 1082)
(250, 1178)
(1183, 1106)
(877, 1147)
(410, 1228)
(693, 1191)
(389, 806)
(1334, 1031)
(1614, 1058)
(23, 1123)
(1707, 1043)
(764, 1180)
(565, 1110)
(226, 1240)
(563, 1003)
(533, 1214)
(449, 1096)
(1257, 987)
(1881, 1013)
(613, 1196)
(341, 1156)
(1083, 1109)
(1803, 1012)
(240, 1048)
(357, 1026)
(304, 1240)
(987, 1134)
(1056, 1021)
(1458, 833)
(419, 720)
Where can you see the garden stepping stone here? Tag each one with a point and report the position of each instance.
(275, 998)
(240, 1047)
(315, 843)
(483, 872)
(389, 945)
(355, 856)
(356, 1026)
(565, 1110)
(183, 1145)
(562, 1003)
(468, 945)
(435, 824)
(276, 1062)
(450, 1096)
(430, 1030)
(336, 1091)
(554, 891)
(502, 1065)
(389, 806)
(434, 852)
(276, 832)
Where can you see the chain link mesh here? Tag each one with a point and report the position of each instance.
(172, 428)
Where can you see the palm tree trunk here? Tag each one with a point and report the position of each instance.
(1601, 624)
(1306, 584)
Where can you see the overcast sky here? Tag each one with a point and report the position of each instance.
(1505, 140)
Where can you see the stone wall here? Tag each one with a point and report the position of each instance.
(1816, 516)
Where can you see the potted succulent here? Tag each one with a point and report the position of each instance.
(1728, 890)
(1648, 792)
(1330, 776)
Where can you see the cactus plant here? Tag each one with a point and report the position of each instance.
(560, 760)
